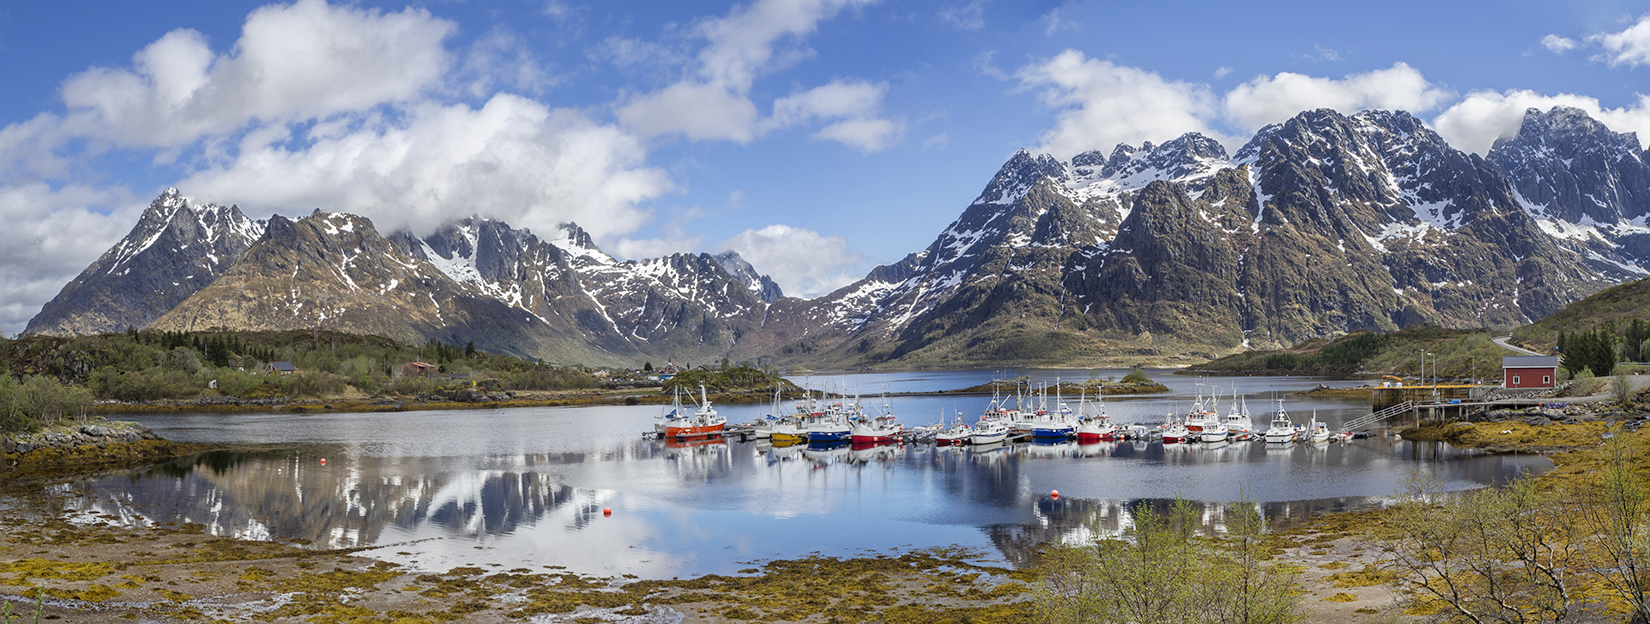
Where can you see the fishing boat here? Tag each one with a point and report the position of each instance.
(879, 429)
(1238, 423)
(826, 425)
(989, 432)
(1175, 433)
(703, 422)
(1213, 433)
(1053, 423)
(1317, 431)
(1096, 428)
(957, 434)
(1282, 431)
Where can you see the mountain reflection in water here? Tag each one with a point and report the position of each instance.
(705, 507)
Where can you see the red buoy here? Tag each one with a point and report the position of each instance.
(323, 461)
(607, 511)
(1054, 494)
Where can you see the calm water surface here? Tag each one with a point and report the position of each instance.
(526, 487)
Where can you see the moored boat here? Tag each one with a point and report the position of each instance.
(1175, 433)
(879, 429)
(1213, 433)
(1318, 431)
(703, 422)
(988, 432)
(1282, 431)
(958, 433)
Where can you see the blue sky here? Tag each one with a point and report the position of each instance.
(816, 137)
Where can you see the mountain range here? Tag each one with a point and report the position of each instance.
(1319, 225)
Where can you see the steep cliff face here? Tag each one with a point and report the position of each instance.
(1585, 185)
(176, 248)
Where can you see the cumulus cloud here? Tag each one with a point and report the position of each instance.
(1100, 104)
(803, 263)
(297, 61)
(714, 103)
(512, 159)
(854, 105)
(1270, 99)
(1474, 123)
(1558, 44)
(51, 234)
(1629, 47)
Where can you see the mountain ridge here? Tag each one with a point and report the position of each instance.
(1319, 225)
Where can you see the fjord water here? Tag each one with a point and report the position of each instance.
(527, 487)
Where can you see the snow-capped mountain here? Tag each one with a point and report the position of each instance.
(478, 280)
(176, 248)
(1584, 184)
(1320, 225)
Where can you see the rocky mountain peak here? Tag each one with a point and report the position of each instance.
(1018, 175)
(741, 270)
(1582, 182)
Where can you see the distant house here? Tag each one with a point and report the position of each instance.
(417, 369)
(1529, 371)
(280, 368)
(599, 374)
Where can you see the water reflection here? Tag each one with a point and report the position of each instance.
(526, 487)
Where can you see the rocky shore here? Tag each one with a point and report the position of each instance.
(101, 444)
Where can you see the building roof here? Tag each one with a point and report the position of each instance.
(1529, 361)
(283, 366)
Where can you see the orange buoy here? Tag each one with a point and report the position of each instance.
(1054, 494)
(607, 511)
(323, 461)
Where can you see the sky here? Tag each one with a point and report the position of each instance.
(818, 138)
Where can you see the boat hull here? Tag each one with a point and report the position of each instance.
(684, 432)
(1051, 432)
(827, 437)
(988, 438)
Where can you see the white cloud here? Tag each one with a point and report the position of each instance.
(1055, 20)
(803, 263)
(695, 110)
(715, 104)
(500, 57)
(939, 141)
(1629, 47)
(969, 16)
(1558, 44)
(1474, 123)
(49, 238)
(1100, 104)
(297, 61)
(1270, 99)
(512, 159)
(1222, 72)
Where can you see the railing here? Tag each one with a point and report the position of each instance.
(1365, 421)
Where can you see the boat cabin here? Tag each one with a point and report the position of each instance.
(1529, 371)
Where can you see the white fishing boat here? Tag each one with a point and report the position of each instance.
(1238, 423)
(1317, 431)
(1282, 431)
(1213, 433)
(989, 432)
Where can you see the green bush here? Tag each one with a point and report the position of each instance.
(1137, 376)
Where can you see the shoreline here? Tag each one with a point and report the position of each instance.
(95, 571)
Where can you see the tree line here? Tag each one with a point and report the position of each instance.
(1599, 350)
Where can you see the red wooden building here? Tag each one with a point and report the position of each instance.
(1529, 371)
